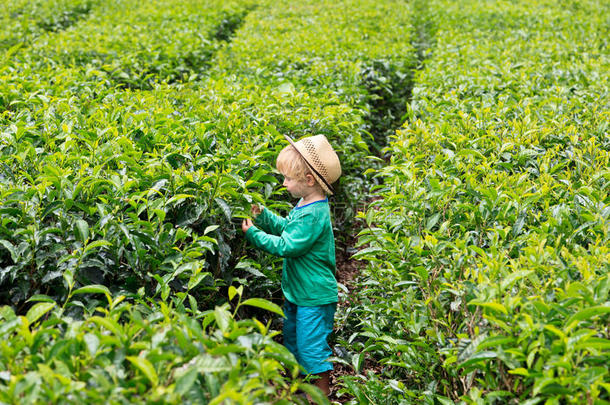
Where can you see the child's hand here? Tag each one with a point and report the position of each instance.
(256, 210)
(246, 224)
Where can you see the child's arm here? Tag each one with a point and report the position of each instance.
(296, 239)
(270, 222)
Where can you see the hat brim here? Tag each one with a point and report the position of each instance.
(321, 180)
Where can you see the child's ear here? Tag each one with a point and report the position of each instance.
(310, 180)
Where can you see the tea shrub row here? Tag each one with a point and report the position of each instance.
(360, 51)
(125, 174)
(136, 44)
(78, 153)
(23, 21)
(93, 153)
(125, 352)
(488, 248)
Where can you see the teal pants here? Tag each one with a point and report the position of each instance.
(306, 331)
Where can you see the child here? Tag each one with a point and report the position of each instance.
(305, 240)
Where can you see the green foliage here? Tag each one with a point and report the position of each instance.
(147, 188)
(355, 57)
(134, 44)
(330, 43)
(488, 249)
(129, 159)
(134, 137)
(137, 349)
(23, 21)
(142, 194)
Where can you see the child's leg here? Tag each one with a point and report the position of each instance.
(290, 328)
(323, 382)
(314, 325)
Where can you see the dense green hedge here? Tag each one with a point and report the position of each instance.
(360, 51)
(136, 44)
(97, 185)
(127, 167)
(489, 248)
(23, 21)
(144, 351)
(142, 175)
(134, 136)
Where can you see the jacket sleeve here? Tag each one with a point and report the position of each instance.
(297, 238)
(270, 222)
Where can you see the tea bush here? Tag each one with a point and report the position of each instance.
(66, 155)
(134, 44)
(137, 44)
(124, 164)
(165, 353)
(141, 188)
(122, 43)
(23, 21)
(152, 179)
(488, 250)
(359, 50)
(339, 53)
(134, 137)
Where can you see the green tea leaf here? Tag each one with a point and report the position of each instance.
(38, 311)
(316, 395)
(594, 343)
(585, 314)
(96, 244)
(195, 280)
(179, 197)
(223, 318)
(8, 246)
(186, 381)
(9, 326)
(264, 304)
(519, 371)
(509, 280)
(210, 228)
(146, 368)
(92, 289)
(555, 330)
(109, 324)
(81, 230)
(494, 306)
(92, 342)
(226, 349)
(478, 357)
(40, 298)
(432, 221)
(235, 291)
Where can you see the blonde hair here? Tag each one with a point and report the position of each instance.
(290, 163)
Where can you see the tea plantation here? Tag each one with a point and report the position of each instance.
(473, 211)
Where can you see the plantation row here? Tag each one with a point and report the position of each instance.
(93, 161)
(134, 136)
(132, 142)
(121, 43)
(71, 134)
(488, 249)
(23, 21)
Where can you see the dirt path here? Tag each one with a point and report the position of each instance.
(348, 271)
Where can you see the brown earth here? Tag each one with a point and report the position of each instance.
(348, 270)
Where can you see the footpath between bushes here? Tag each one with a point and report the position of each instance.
(388, 110)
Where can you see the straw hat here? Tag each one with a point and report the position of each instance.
(321, 159)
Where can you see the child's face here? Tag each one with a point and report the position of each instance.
(300, 188)
(294, 186)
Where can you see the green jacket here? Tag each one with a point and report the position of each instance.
(305, 240)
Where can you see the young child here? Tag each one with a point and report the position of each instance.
(305, 240)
